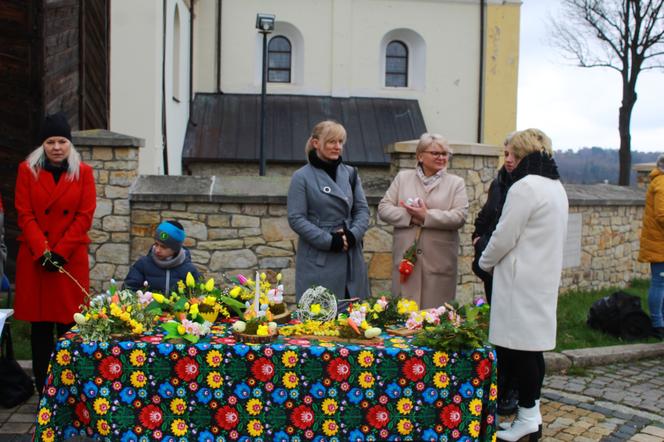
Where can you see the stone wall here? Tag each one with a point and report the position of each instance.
(239, 224)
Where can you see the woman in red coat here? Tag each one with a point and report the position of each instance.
(55, 201)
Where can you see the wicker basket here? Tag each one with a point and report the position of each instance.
(282, 318)
(255, 339)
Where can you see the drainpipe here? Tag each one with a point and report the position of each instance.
(191, 56)
(480, 102)
(163, 91)
(218, 54)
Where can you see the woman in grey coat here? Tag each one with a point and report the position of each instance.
(328, 210)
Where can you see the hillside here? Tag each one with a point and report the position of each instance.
(592, 165)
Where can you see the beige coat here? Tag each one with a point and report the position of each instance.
(434, 277)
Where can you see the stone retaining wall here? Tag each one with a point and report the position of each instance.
(238, 224)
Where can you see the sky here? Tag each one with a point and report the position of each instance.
(578, 107)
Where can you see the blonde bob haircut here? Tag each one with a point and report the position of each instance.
(525, 142)
(427, 140)
(323, 132)
(37, 159)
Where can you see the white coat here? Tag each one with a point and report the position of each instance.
(526, 255)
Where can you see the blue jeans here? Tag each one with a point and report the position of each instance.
(656, 294)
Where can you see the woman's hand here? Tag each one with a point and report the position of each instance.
(477, 238)
(418, 213)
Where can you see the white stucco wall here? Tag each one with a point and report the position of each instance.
(137, 38)
(136, 42)
(342, 53)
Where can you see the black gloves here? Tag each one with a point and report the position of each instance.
(50, 263)
(337, 244)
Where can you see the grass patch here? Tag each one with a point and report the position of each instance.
(578, 371)
(573, 310)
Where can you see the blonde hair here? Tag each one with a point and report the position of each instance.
(323, 132)
(660, 162)
(525, 142)
(37, 159)
(428, 139)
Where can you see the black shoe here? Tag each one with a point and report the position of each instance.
(509, 403)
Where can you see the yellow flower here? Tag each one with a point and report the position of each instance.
(441, 380)
(48, 435)
(138, 329)
(475, 407)
(103, 428)
(193, 311)
(137, 358)
(158, 297)
(364, 325)
(178, 406)
(474, 429)
(67, 377)
(138, 379)
(44, 416)
(329, 406)
(404, 426)
(101, 405)
(254, 406)
(210, 300)
(366, 379)
(315, 309)
(63, 357)
(255, 428)
(181, 329)
(214, 379)
(440, 359)
(180, 286)
(263, 276)
(235, 291)
(378, 308)
(279, 277)
(493, 392)
(179, 426)
(213, 358)
(289, 359)
(189, 280)
(330, 427)
(365, 358)
(405, 405)
(290, 380)
(129, 308)
(262, 330)
(209, 285)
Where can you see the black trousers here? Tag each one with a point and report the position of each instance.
(527, 369)
(43, 340)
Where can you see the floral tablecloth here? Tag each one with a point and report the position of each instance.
(221, 390)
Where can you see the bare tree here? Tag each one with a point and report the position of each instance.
(625, 35)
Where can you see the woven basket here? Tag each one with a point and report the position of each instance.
(282, 318)
(255, 339)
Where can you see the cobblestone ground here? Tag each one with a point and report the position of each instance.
(620, 402)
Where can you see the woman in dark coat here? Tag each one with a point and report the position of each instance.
(328, 210)
(55, 201)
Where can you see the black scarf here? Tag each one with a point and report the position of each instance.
(536, 163)
(330, 167)
(56, 171)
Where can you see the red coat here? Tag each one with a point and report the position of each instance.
(52, 217)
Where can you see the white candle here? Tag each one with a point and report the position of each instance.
(257, 296)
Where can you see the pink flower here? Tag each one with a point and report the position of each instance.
(241, 278)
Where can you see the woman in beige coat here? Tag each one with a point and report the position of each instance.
(429, 205)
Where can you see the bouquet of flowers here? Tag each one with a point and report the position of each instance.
(422, 318)
(114, 313)
(459, 329)
(270, 290)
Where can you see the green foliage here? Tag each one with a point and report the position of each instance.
(462, 329)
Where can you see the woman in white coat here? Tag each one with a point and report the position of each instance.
(525, 253)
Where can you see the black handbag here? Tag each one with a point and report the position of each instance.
(620, 315)
(15, 385)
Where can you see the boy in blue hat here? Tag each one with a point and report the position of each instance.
(166, 263)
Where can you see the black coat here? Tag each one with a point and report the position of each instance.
(486, 222)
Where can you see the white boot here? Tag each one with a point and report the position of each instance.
(526, 423)
(507, 424)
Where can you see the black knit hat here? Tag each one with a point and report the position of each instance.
(55, 125)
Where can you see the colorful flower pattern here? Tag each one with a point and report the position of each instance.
(219, 389)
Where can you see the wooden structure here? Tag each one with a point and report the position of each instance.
(55, 57)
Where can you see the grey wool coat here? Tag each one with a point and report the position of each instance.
(434, 278)
(318, 206)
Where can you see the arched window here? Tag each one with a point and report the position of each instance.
(279, 53)
(396, 64)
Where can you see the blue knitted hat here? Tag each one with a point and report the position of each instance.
(172, 234)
